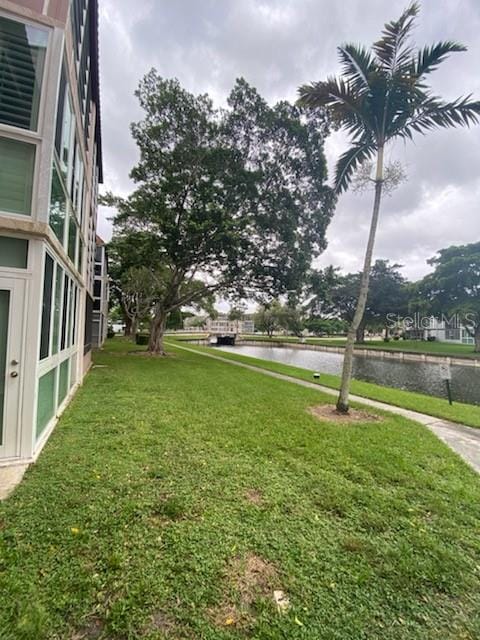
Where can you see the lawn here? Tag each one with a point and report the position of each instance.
(408, 346)
(463, 413)
(177, 494)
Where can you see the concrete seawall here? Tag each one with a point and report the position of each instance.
(370, 353)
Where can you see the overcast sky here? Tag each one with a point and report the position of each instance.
(278, 45)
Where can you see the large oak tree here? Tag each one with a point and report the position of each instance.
(231, 201)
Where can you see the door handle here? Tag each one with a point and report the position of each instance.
(14, 374)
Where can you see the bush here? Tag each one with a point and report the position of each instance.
(110, 332)
(142, 338)
(431, 338)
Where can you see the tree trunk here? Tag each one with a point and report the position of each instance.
(157, 330)
(477, 339)
(387, 333)
(128, 325)
(342, 402)
(360, 333)
(133, 328)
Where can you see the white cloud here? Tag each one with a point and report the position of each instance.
(278, 45)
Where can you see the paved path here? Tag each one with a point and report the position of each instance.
(465, 441)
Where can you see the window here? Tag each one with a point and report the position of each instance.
(17, 160)
(66, 140)
(46, 308)
(57, 309)
(22, 59)
(88, 324)
(46, 400)
(58, 205)
(63, 380)
(64, 313)
(13, 252)
(72, 238)
(452, 333)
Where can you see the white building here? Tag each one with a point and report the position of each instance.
(448, 331)
(50, 167)
(225, 326)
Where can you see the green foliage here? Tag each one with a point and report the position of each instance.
(383, 95)
(454, 287)
(227, 200)
(372, 528)
(325, 326)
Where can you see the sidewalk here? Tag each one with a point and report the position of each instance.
(465, 441)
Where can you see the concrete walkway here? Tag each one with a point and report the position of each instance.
(465, 441)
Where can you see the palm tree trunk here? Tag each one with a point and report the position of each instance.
(342, 402)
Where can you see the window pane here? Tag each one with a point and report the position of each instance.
(64, 312)
(4, 314)
(73, 366)
(63, 381)
(58, 205)
(57, 309)
(46, 400)
(67, 142)
(22, 58)
(17, 161)
(13, 252)
(47, 307)
(72, 238)
(70, 314)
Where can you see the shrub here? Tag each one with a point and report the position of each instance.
(142, 338)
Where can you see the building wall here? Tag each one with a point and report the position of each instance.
(100, 296)
(50, 166)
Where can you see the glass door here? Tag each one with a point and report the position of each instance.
(11, 323)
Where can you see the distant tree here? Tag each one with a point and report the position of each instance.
(268, 318)
(232, 200)
(382, 96)
(452, 291)
(342, 301)
(387, 295)
(292, 319)
(325, 326)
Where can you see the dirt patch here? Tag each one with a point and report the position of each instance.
(162, 622)
(91, 630)
(254, 496)
(247, 580)
(147, 354)
(329, 413)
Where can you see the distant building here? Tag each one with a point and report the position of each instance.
(50, 167)
(445, 331)
(223, 325)
(100, 295)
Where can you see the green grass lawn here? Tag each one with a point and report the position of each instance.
(176, 494)
(409, 346)
(463, 413)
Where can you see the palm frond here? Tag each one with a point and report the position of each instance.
(357, 64)
(344, 104)
(392, 50)
(429, 58)
(435, 114)
(349, 161)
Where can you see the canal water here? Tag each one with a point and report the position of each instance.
(423, 377)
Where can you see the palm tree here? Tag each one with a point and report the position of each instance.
(382, 95)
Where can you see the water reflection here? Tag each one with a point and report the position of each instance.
(423, 377)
